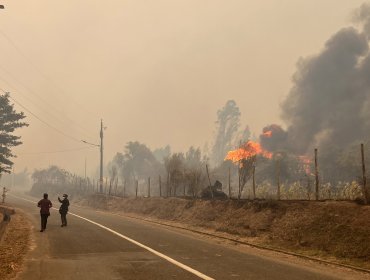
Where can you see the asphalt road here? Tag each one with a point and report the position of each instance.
(108, 246)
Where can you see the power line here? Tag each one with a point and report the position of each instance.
(41, 120)
(86, 132)
(54, 152)
(30, 62)
(42, 99)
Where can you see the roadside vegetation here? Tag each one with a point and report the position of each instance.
(333, 230)
(241, 165)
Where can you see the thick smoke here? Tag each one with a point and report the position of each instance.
(273, 138)
(329, 103)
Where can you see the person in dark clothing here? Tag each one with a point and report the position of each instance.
(44, 205)
(63, 210)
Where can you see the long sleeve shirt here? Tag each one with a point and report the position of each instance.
(45, 204)
(64, 207)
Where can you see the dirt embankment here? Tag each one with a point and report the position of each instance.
(334, 230)
(5, 213)
(13, 243)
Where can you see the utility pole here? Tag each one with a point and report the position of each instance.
(100, 183)
(365, 191)
(101, 155)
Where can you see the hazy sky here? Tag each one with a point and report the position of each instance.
(155, 71)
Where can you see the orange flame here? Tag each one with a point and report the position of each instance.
(306, 162)
(267, 133)
(249, 149)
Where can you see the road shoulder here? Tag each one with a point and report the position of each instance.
(14, 245)
(219, 238)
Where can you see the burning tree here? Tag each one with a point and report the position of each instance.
(245, 157)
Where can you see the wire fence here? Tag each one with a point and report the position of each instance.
(278, 178)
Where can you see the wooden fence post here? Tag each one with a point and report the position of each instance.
(124, 188)
(110, 187)
(183, 182)
(278, 178)
(195, 187)
(168, 185)
(364, 185)
(254, 181)
(136, 187)
(316, 177)
(115, 188)
(160, 186)
(229, 183)
(174, 184)
(209, 180)
(148, 186)
(239, 183)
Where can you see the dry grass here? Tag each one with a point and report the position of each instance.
(14, 245)
(339, 230)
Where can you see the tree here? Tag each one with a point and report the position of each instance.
(174, 165)
(241, 137)
(55, 180)
(135, 164)
(51, 175)
(227, 126)
(20, 179)
(10, 120)
(245, 172)
(161, 153)
(193, 165)
(115, 167)
(139, 161)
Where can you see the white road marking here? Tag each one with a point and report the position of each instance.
(163, 256)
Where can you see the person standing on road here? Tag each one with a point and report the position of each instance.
(63, 210)
(44, 205)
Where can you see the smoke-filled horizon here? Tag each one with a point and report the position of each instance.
(158, 72)
(329, 103)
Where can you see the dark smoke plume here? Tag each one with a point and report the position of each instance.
(273, 138)
(329, 102)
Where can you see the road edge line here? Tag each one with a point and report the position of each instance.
(159, 254)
